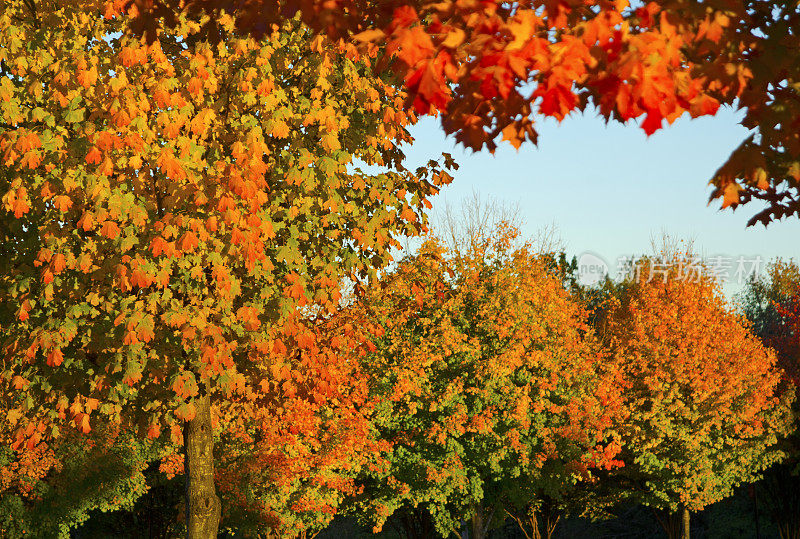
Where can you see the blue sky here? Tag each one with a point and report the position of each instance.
(609, 188)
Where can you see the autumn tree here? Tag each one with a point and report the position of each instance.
(772, 304)
(495, 396)
(282, 470)
(769, 302)
(166, 202)
(703, 408)
(492, 67)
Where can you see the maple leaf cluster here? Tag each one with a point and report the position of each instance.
(55, 485)
(165, 203)
(290, 460)
(492, 67)
(487, 66)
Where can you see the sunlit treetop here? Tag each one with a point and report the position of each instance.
(494, 388)
(164, 203)
(703, 396)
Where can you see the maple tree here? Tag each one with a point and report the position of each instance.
(494, 391)
(490, 67)
(283, 471)
(702, 393)
(167, 202)
(772, 304)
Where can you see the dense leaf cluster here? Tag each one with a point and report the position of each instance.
(492, 67)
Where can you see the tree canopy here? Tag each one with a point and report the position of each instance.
(496, 397)
(168, 200)
(492, 67)
(705, 407)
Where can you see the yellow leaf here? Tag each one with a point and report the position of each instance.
(13, 416)
(521, 27)
(761, 178)
(730, 194)
(454, 38)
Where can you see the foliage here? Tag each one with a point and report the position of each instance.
(770, 304)
(295, 463)
(49, 490)
(166, 202)
(494, 388)
(492, 66)
(704, 410)
(158, 513)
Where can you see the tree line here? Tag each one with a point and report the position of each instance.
(470, 388)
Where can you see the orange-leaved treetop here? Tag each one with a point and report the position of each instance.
(704, 410)
(165, 202)
(496, 392)
(491, 66)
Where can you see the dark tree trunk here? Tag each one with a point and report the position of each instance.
(671, 522)
(477, 522)
(203, 507)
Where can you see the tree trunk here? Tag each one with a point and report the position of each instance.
(203, 507)
(685, 517)
(535, 533)
(477, 522)
(670, 522)
(550, 523)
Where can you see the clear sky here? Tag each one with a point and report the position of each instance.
(609, 188)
